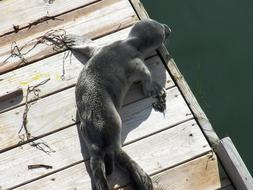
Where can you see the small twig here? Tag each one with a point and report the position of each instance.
(35, 166)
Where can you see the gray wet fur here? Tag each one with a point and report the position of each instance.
(100, 92)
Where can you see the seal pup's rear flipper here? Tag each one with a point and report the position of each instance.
(81, 46)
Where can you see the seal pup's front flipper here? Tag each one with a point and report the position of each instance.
(81, 46)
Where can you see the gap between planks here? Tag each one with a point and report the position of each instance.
(166, 148)
(96, 20)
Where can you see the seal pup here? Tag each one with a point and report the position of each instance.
(100, 92)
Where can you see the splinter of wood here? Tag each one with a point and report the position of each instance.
(11, 94)
(35, 166)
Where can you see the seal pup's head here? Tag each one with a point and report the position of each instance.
(148, 35)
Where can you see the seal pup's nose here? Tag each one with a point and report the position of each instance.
(167, 30)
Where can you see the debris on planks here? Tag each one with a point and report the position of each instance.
(36, 166)
(28, 136)
(57, 39)
(54, 38)
(35, 91)
(16, 28)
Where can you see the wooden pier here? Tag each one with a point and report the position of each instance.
(179, 148)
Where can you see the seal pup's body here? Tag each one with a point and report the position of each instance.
(100, 91)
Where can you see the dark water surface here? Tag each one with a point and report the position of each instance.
(212, 44)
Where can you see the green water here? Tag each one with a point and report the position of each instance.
(212, 44)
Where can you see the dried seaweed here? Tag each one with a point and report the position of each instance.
(27, 135)
(17, 51)
(53, 38)
(57, 40)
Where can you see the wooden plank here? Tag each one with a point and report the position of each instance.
(61, 112)
(139, 9)
(199, 174)
(25, 12)
(52, 68)
(234, 165)
(166, 149)
(94, 21)
(182, 84)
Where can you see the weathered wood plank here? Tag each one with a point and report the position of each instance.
(234, 165)
(166, 149)
(25, 12)
(52, 68)
(139, 9)
(199, 174)
(61, 111)
(93, 21)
